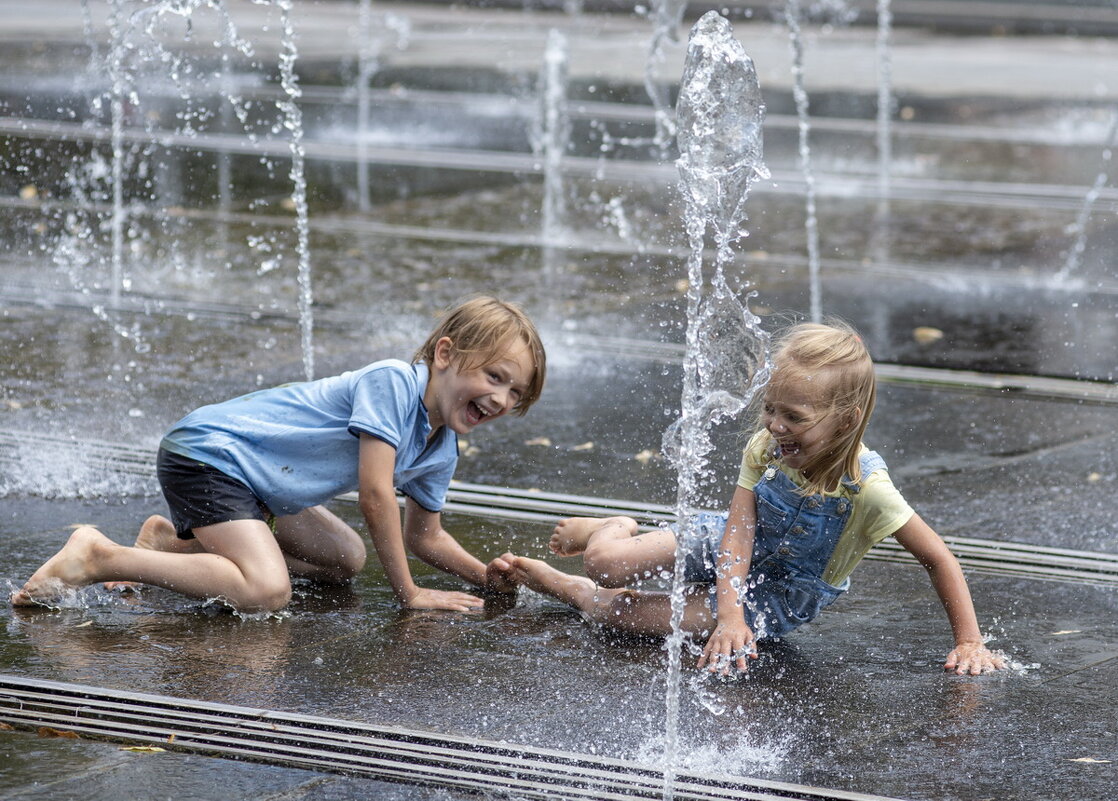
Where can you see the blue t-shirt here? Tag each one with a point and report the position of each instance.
(296, 445)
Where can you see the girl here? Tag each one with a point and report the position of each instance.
(810, 501)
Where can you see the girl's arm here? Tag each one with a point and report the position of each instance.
(970, 654)
(377, 499)
(732, 635)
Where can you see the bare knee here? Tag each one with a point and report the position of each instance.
(264, 596)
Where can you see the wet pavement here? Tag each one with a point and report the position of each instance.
(855, 702)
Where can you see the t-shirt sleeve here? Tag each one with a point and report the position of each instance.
(886, 510)
(752, 461)
(382, 403)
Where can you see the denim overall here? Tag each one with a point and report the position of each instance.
(793, 542)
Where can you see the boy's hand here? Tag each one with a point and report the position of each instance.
(499, 577)
(425, 598)
(730, 642)
(973, 658)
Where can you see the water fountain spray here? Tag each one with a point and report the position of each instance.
(719, 117)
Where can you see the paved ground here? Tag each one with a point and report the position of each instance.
(855, 702)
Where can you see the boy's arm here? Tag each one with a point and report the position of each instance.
(427, 539)
(377, 499)
(732, 634)
(970, 654)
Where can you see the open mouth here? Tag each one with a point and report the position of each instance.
(786, 449)
(475, 414)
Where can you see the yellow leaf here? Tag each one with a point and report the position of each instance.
(586, 446)
(1091, 760)
(926, 335)
(1067, 631)
(144, 749)
(645, 456)
(542, 441)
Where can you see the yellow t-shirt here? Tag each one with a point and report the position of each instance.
(878, 509)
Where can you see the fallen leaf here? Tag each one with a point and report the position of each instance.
(83, 625)
(1094, 478)
(29, 192)
(47, 731)
(7, 727)
(926, 335)
(542, 441)
(1091, 760)
(586, 446)
(144, 749)
(645, 456)
(171, 738)
(1067, 631)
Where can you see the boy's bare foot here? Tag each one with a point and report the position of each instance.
(71, 567)
(570, 535)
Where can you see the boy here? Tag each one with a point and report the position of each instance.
(245, 480)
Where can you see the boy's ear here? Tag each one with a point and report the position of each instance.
(444, 352)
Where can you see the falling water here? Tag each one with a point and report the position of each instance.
(366, 67)
(1075, 254)
(550, 139)
(293, 121)
(116, 106)
(879, 240)
(793, 17)
(719, 118)
(666, 17)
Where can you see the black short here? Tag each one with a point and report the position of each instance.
(200, 495)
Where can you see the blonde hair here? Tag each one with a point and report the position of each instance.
(483, 329)
(832, 362)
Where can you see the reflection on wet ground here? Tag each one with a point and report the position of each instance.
(965, 271)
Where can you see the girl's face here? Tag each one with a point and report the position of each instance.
(801, 428)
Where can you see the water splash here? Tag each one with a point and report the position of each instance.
(719, 118)
(293, 122)
(1075, 254)
(793, 17)
(879, 242)
(666, 17)
(550, 138)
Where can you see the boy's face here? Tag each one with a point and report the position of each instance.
(464, 398)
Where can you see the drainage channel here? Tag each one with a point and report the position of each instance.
(359, 749)
(1024, 560)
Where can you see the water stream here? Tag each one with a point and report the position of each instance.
(719, 118)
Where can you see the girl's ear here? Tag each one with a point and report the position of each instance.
(444, 352)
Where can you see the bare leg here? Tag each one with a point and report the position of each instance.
(157, 534)
(627, 610)
(241, 564)
(613, 553)
(317, 544)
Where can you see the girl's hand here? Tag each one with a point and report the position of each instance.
(730, 642)
(973, 658)
(425, 598)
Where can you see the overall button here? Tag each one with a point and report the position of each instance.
(813, 503)
(843, 505)
(770, 474)
(784, 551)
(797, 529)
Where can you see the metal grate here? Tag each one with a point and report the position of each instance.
(359, 749)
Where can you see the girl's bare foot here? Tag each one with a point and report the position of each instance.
(577, 591)
(73, 566)
(571, 535)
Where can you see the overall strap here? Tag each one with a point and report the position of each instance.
(869, 462)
